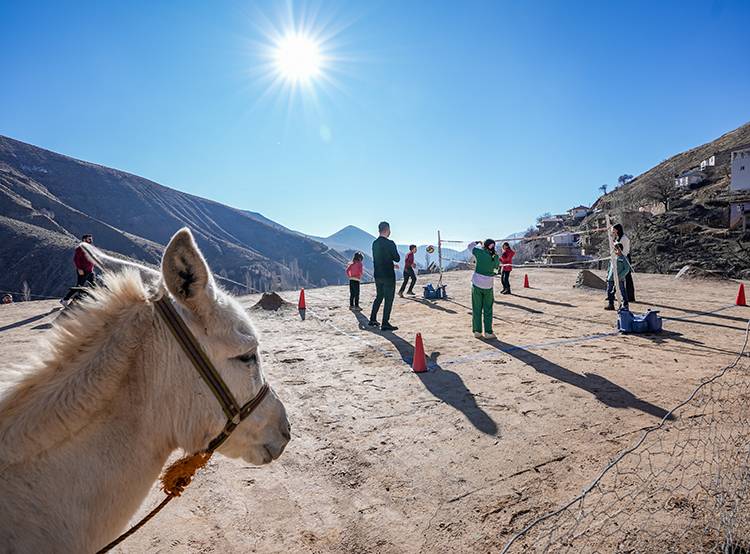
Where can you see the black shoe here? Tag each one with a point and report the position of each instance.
(372, 323)
(388, 327)
(411, 293)
(610, 307)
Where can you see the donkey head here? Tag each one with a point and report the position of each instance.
(227, 335)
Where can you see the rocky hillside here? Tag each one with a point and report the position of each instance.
(671, 226)
(47, 200)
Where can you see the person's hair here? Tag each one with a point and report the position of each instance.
(412, 246)
(506, 244)
(619, 230)
(358, 257)
(87, 236)
(618, 245)
(383, 226)
(488, 243)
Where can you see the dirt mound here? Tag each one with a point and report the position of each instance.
(271, 302)
(588, 279)
(694, 272)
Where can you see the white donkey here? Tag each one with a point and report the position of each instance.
(85, 431)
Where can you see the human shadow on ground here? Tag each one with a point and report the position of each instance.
(705, 323)
(433, 305)
(497, 318)
(447, 386)
(31, 319)
(545, 301)
(665, 336)
(518, 307)
(604, 390)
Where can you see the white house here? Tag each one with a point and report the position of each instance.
(579, 212)
(564, 239)
(740, 169)
(689, 178)
(708, 162)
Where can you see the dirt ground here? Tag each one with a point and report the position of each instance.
(452, 460)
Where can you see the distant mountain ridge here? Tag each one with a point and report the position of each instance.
(48, 200)
(352, 238)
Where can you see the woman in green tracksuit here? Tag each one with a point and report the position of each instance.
(482, 283)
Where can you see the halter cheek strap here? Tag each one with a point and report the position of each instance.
(234, 412)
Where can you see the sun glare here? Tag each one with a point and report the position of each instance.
(298, 58)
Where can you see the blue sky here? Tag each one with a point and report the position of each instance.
(470, 117)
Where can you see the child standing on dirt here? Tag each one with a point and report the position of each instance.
(482, 283)
(354, 271)
(622, 270)
(506, 258)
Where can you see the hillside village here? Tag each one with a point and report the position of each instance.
(691, 209)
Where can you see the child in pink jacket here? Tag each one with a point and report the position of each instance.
(354, 271)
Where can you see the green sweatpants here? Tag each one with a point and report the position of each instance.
(481, 303)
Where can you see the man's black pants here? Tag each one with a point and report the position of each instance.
(384, 291)
(81, 280)
(408, 274)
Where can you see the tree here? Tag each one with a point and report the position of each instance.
(26, 291)
(603, 188)
(623, 179)
(545, 215)
(662, 188)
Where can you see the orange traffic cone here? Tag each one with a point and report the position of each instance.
(418, 365)
(526, 281)
(741, 296)
(302, 306)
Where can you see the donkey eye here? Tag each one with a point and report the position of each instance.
(248, 358)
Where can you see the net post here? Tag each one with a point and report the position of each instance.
(440, 260)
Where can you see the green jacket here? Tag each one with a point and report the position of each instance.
(623, 268)
(487, 264)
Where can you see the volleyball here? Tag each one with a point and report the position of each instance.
(430, 249)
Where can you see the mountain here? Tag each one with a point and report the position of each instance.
(670, 226)
(48, 200)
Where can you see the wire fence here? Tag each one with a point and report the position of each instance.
(684, 486)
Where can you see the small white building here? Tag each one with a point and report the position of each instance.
(579, 212)
(565, 239)
(708, 162)
(740, 169)
(689, 178)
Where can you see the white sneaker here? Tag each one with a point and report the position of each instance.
(477, 335)
(490, 336)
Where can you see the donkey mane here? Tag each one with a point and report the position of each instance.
(79, 370)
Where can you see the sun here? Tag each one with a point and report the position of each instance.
(298, 58)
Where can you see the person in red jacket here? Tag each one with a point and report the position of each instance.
(354, 271)
(506, 258)
(409, 272)
(84, 268)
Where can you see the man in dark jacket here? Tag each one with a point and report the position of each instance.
(384, 255)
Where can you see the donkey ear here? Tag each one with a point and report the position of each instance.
(185, 272)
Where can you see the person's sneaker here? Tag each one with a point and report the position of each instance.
(477, 335)
(64, 303)
(388, 327)
(372, 323)
(609, 308)
(490, 336)
(410, 293)
(400, 294)
(356, 309)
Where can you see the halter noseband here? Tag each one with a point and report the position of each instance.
(234, 412)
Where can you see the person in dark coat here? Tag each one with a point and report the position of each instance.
(620, 236)
(384, 256)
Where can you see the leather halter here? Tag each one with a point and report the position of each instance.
(234, 412)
